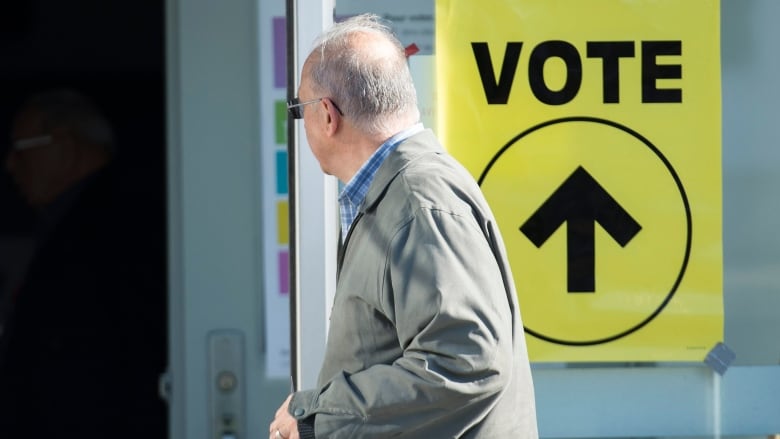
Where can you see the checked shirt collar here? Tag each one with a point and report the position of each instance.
(354, 192)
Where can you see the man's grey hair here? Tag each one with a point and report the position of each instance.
(72, 110)
(373, 91)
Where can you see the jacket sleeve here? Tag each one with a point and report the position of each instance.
(445, 295)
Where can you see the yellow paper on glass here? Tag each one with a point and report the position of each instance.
(593, 128)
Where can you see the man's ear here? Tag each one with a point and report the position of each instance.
(333, 117)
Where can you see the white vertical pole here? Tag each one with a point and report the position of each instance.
(313, 219)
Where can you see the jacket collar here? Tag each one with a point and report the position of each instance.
(424, 142)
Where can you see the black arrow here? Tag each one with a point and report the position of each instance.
(580, 201)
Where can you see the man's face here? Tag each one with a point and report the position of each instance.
(35, 160)
(314, 120)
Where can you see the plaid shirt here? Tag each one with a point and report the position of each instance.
(354, 192)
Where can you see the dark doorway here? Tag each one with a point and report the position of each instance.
(83, 295)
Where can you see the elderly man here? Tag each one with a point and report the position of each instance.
(425, 339)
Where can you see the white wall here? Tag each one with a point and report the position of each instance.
(214, 209)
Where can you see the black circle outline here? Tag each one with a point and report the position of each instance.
(680, 187)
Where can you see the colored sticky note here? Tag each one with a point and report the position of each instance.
(280, 122)
(282, 222)
(284, 272)
(281, 172)
(280, 52)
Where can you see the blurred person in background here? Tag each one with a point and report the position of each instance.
(84, 335)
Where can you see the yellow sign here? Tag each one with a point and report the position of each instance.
(593, 128)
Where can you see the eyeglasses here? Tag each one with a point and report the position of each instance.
(31, 142)
(295, 107)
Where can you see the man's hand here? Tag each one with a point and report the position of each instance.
(283, 426)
